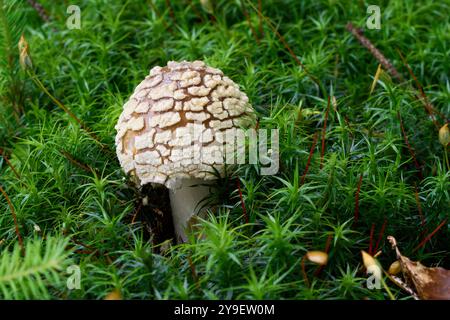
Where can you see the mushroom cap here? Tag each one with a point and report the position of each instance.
(173, 125)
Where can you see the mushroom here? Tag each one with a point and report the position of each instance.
(171, 132)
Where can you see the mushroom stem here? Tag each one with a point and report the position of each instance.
(185, 203)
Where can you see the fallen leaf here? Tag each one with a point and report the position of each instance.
(428, 283)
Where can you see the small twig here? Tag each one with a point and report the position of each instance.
(89, 251)
(257, 124)
(427, 238)
(244, 210)
(374, 51)
(324, 130)
(76, 162)
(311, 152)
(16, 225)
(40, 10)
(411, 151)
(9, 163)
(428, 106)
(358, 189)
(397, 281)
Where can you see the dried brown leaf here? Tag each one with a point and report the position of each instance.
(428, 283)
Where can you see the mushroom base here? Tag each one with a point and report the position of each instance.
(186, 202)
(154, 211)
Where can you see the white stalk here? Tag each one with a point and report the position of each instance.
(185, 203)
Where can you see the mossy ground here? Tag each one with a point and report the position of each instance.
(90, 212)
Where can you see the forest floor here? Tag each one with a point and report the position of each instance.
(360, 155)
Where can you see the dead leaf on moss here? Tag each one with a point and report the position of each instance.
(428, 283)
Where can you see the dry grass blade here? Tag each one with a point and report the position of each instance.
(410, 149)
(375, 78)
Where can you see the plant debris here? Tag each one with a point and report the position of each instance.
(428, 283)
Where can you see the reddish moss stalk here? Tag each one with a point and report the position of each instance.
(411, 151)
(260, 18)
(324, 131)
(247, 17)
(372, 230)
(327, 250)
(285, 44)
(193, 272)
(419, 206)
(244, 210)
(138, 210)
(427, 238)
(9, 164)
(358, 189)
(311, 152)
(305, 276)
(171, 14)
(380, 235)
(76, 162)
(16, 225)
(428, 106)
